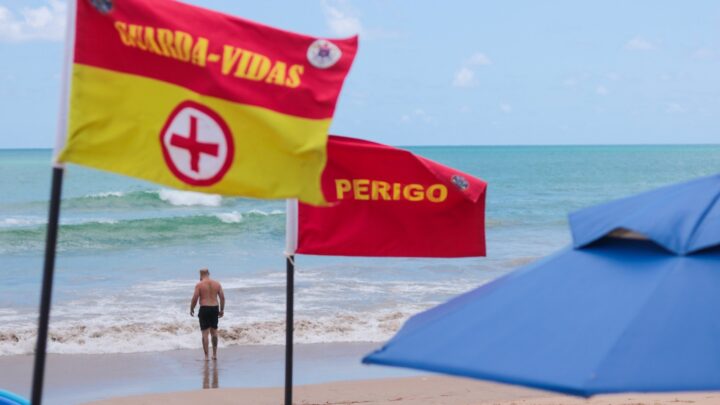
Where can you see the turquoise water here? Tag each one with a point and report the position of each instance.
(129, 251)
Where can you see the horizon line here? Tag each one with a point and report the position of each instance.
(470, 145)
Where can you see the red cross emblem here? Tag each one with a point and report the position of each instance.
(197, 144)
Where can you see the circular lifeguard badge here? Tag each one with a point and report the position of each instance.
(197, 144)
(322, 53)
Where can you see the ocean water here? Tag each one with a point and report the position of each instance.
(129, 251)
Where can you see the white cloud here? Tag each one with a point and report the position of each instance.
(639, 44)
(43, 23)
(478, 59)
(602, 91)
(465, 77)
(341, 20)
(506, 108)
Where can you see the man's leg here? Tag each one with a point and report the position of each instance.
(205, 342)
(213, 333)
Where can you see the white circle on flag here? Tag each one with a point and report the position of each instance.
(323, 54)
(197, 144)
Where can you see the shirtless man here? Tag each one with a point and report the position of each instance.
(208, 291)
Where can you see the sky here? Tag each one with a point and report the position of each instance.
(453, 72)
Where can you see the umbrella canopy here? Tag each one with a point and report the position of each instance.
(682, 218)
(8, 398)
(606, 315)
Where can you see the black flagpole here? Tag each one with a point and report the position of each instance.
(290, 266)
(46, 295)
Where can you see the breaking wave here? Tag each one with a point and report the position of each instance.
(19, 235)
(144, 199)
(139, 200)
(131, 337)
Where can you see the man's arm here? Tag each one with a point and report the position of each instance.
(194, 300)
(221, 294)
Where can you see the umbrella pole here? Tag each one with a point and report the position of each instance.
(290, 267)
(46, 295)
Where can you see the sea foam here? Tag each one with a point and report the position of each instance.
(22, 222)
(179, 331)
(189, 198)
(106, 194)
(230, 217)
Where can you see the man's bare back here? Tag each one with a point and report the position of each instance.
(208, 292)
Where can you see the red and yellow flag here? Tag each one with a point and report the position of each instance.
(199, 100)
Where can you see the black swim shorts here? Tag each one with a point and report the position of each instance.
(208, 317)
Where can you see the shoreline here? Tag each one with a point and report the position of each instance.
(77, 378)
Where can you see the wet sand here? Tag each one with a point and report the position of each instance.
(77, 378)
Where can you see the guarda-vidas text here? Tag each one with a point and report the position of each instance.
(238, 62)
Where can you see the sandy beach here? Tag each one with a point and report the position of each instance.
(324, 374)
(414, 390)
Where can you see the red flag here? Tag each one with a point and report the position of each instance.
(386, 201)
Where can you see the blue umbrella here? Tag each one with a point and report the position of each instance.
(632, 306)
(8, 398)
